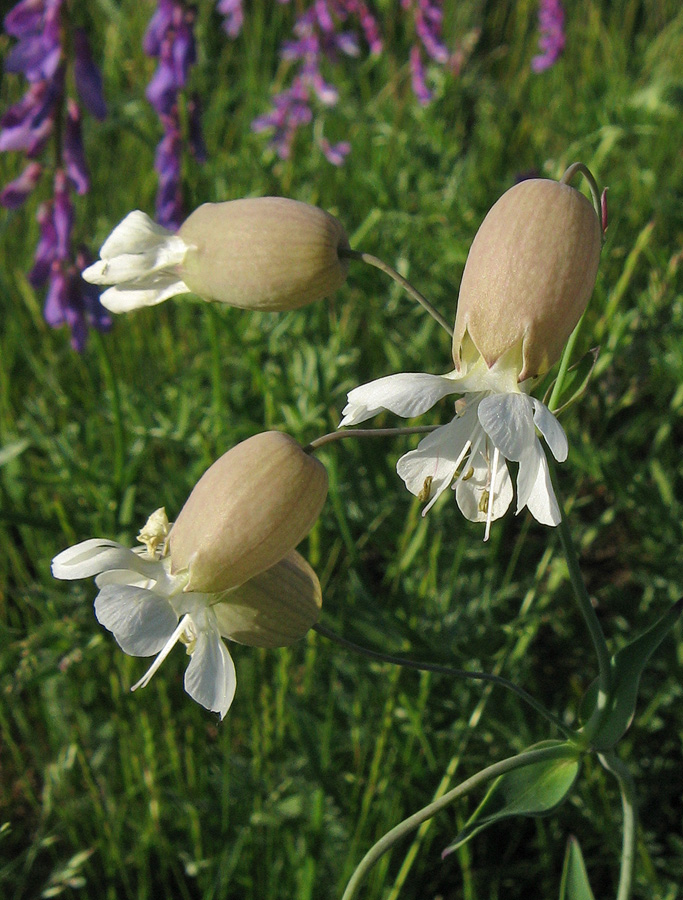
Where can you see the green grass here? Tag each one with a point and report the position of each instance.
(106, 794)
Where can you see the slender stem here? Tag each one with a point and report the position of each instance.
(386, 842)
(446, 670)
(564, 366)
(592, 183)
(405, 284)
(583, 599)
(364, 433)
(630, 810)
(119, 432)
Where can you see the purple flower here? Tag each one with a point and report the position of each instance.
(552, 38)
(62, 215)
(73, 153)
(28, 124)
(47, 246)
(233, 15)
(87, 76)
(15, 193)
(335, 153)
(169, 203)
(417, 71)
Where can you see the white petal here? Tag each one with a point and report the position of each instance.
(551, 430)
(134, 234)
(469, 492)
(437, 457)
(126, 298)
(508, 421)
(542, 503)
(407, 394)
(210, 678)
(97, 555)
(140, 620)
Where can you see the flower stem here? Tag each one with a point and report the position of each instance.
(366, 432)
(446, 670)
(628, 804)
(386, 842)
(583, 599)
(592, 183)
(399, 279)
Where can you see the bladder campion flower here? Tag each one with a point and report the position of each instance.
(528, 277)
(227, 568)
(266, 253)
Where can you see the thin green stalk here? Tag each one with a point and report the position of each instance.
(119, 432)
(592, 183)
(630, 811)
(564, 367)
(447, 670)
(397, 833)
(583, 599)
(364, 433)
(399, 279)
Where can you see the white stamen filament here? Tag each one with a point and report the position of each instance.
(163, 653)
(492, 474)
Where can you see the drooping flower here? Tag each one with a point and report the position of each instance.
(528, 277)
(227, 568)
(267, 253)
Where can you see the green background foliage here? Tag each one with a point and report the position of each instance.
(113, 795)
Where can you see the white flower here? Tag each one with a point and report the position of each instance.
(148, 609)
(495, 421)
(140, 259)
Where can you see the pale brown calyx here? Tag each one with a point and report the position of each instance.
(265, 253)
(529, 275)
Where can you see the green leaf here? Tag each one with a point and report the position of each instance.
(531, 790)
(574, 884)
(605, 727)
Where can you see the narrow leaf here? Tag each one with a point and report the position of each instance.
(531, 790)
(627, 667)
(574, 884)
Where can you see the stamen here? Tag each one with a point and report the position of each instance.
(163, 653)
(490, 497)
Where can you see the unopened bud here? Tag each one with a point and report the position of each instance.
(274, 608)
(528, 276)
(247, 511)
(266, 253)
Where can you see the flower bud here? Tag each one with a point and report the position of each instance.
(266, 253)
(247, 511)
(274, 608)
(528, 276)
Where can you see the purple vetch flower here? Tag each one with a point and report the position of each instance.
(417, 72)
(170, 39)
(320, 34)
(87, 76)
(552, 38)
(73, 153)
(233, 16)
(428, 18)
(47, 49)
(14, 194)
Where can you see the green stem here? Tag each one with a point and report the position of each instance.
(583, 599)
(592, 183)
(564, 366)
(629, 807)
(399, 279)
(447, 670)
(119, 432)
(397, 833)
(364, 433)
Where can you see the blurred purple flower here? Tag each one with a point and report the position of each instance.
(233, 16)
(87, 76)
(319, 36)
(170, 38)
(417, 71)
(42, 58)
(14, 194)
(73, 153)
(335, 153)
(552, 38)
